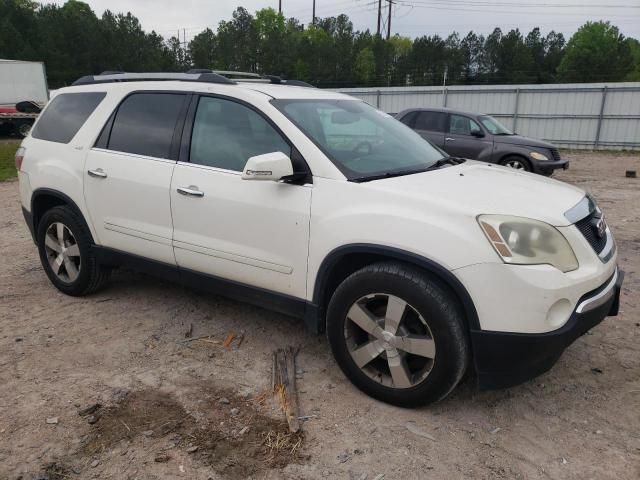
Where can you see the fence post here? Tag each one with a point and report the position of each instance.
(378, 93)
(515, 111)
(599, 128)
(444, 97)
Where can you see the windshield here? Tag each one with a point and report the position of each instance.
(494, 126)
(360, 140)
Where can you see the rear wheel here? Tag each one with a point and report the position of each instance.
(64, 245)
(517, 163)
(397, 334)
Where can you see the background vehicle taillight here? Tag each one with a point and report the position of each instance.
(19, 157)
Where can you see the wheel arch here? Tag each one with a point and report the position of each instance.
(44, 199)
(344, 260)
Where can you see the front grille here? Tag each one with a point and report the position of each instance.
(555, 154)
(587, 227)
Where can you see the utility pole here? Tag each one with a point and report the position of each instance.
(379, 15)
(279, 6)
(389, 20)
(314, 13)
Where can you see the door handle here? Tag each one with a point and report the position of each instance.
(449, 139)
(191, 191)
(97, 173)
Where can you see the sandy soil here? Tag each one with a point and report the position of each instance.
(162, 397)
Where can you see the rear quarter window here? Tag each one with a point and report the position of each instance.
(65, 115)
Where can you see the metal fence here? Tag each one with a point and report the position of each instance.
(581, 116)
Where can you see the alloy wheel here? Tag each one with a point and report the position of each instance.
(389, 340)
(517, 164)
(62, 252)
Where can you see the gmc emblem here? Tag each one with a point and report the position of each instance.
(601, 227)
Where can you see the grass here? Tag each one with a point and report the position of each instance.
(7, 166)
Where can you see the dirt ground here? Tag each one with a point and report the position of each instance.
(172, 408)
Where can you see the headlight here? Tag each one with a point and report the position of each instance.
(523, 241)
(538, 156)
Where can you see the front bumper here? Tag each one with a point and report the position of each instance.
(505, 359)
(548, 166)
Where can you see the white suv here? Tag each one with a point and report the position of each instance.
(418, 266)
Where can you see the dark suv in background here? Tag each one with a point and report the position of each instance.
(482, 137)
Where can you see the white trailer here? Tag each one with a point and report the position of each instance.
(21, 81)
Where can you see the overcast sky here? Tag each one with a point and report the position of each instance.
(409, 17)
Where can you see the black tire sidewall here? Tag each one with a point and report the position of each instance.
(440, 311)
(67, 217)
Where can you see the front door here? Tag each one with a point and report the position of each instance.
(128, 176)
(252, 232)
(460, 140)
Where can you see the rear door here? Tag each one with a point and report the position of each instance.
(431, 126)
(252, 232)
(459, 141)
(128, 175)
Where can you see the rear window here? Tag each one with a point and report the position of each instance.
(144, 124)
(65, 115)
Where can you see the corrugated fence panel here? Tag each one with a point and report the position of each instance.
(570, 115)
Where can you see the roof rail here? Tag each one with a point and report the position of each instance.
(254, 77)
(112, 77)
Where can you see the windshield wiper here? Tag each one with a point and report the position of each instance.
(380, 176)
(439, 164)
(447, 161)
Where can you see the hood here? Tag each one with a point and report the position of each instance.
(475, 188)
(520, 140)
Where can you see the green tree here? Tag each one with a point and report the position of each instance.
(202, 49)
(596, 52)
(634, 48)
(365, 67)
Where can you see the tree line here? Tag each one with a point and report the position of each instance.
(73, 41)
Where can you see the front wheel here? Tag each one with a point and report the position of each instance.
(517, 163)
(397, 334)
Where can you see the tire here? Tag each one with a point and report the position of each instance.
(23, 129)
(78, 271)
(432, 314)
(517, 163)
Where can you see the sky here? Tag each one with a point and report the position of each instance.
(409, 17)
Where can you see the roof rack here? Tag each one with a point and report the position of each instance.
(251, 77)
(115, 77)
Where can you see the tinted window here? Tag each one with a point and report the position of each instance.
(226, 134)
(462, 125)
(433, 121)
(65, 115)
(144, 124)
(409, 119)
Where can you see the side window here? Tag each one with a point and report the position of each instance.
(409, 119)
(226, 134)
(432, 121)
(65, 115)
(144, 124)
(462, 125)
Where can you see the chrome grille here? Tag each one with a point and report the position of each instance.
(555, 154)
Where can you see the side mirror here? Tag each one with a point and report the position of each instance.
(270, 166)
(477, 133)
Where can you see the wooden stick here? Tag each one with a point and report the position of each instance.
(283, 380)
